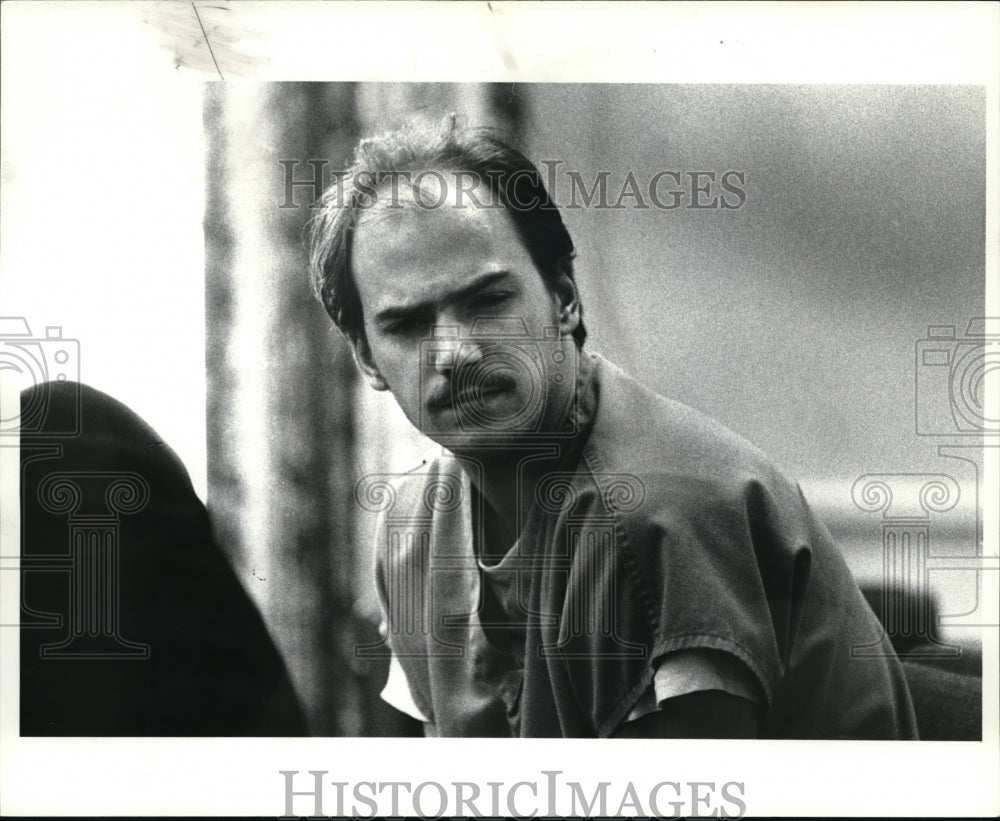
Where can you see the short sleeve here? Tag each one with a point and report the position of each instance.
(696, 670)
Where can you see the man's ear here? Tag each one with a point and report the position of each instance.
(363, 358)
(567, 300)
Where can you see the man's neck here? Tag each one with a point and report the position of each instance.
(507, 478)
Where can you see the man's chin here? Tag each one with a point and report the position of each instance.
(485, 441)
(458, 439)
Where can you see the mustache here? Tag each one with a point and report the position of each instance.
(468, 385)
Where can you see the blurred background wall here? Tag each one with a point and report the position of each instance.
(794, 318)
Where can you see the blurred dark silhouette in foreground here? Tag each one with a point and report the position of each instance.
(133, 623)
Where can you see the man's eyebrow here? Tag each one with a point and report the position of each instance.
(396, 312)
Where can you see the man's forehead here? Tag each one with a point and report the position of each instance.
(387, 236)
(396, 228)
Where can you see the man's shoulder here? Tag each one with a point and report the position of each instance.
(432, 479)
(638, 430)
(689, 479)
(411, 506)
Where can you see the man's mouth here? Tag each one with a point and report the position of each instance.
(478, 395)
(470, 396)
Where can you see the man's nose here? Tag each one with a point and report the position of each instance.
(453, 346)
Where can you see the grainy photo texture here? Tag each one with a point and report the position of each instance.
(496, 446)
(578, 410)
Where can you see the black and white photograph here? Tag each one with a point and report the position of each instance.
(462, 434)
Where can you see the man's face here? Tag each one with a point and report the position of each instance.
(460, 325)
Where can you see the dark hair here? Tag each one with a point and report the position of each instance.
(511, 178)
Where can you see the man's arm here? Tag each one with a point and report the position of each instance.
(705, 714)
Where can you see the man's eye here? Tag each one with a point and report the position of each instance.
(403, 327)
(489, 300)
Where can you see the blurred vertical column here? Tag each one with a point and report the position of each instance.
(280, 383)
